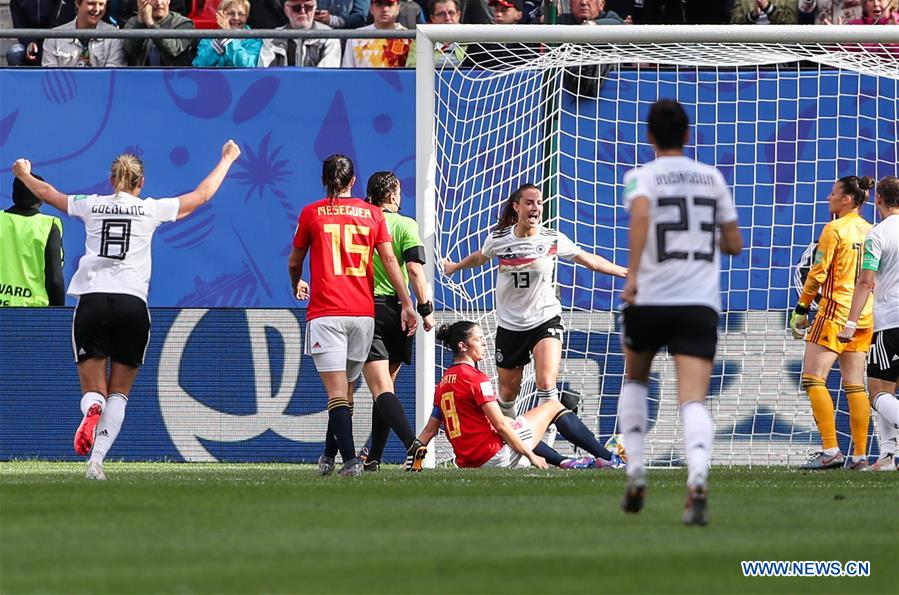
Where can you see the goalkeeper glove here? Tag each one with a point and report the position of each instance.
(799, 321)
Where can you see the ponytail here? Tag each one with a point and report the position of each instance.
(857, 187)
(337, 174)
(450, 335)
(380, 186)
(126, 172)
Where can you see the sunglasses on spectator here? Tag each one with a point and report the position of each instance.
(301, 7)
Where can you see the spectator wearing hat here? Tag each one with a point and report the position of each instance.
(507, 12)
(378, 53)
(84, 51)
(307, 52)
(30, 253)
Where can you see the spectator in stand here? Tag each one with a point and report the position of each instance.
(155, 14)
(442, 12)
(592, 12)
(267, 14)
(119, 11)
(35, 14)
(507, 12)
(411, 14)
(765, 12)
(476, 12)
(878, 12)
(378, 53)
(230, 53)
(343, 14)
(497, 56)
(585, 81)
(320, 53)
(85, 51)
(825, 12)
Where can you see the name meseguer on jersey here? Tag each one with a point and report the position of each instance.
(349, 210)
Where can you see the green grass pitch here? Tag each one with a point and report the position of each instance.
(223, 528)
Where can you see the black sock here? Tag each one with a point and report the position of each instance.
(574, 430)
(330, 441)
(547, 452)
(341, 421)
(392, 411)
(380, 431)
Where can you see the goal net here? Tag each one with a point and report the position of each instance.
(782, 116)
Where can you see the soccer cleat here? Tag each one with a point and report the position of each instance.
(95, 471)
(325, 465)
(351, 468)
(857, 464)
(696, 510)
(819, 461)
(634, 496)
(363, 454)
(84, 435)
(370, 466)
(887, 463)
(581, 463)
(415, 457)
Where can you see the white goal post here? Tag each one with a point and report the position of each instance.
(782, 111)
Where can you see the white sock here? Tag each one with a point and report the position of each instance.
(698, 437)
(109, 426)
(632, 413)
(508, 407)
(89, 399)
(886, 431)
(544, 395)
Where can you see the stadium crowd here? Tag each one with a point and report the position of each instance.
(323, 15)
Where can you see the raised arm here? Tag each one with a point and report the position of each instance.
(395, 274)
(636, 242)
(501, 423)
(209, 186)
(472, 261)
(598, 264)
(44, 191)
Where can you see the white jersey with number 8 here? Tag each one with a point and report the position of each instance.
(688, 201)
(117, 249)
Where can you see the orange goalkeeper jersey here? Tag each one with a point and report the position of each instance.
(838, 263)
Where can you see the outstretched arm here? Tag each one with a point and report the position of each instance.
(598, 264)
(208, 187)
(473, 260)
(44, 191)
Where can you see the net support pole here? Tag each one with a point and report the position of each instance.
(426, 214)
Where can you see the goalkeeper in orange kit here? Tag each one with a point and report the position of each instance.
(834, 272)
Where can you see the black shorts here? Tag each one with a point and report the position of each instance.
(112, 325)
(513, 348)
(685, 330)
(390, 342)
(883, 357)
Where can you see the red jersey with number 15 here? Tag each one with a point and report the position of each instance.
(340, 234)
(459, 395)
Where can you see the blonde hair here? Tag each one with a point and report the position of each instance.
(127, 172)
(244, 4)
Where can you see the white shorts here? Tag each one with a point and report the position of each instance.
(505, 457)
(340, 343)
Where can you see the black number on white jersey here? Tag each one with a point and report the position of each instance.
(115, 238)
(521, 279)
(683, 224)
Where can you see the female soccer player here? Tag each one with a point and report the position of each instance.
(672, 295)
(527, 308)
(112, 323)
(837, 264)
(481, 436)
(881, 262)
(341, 233)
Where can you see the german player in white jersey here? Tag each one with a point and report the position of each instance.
(677, 208)
(527, 309)
(111, 326)
(880, 274)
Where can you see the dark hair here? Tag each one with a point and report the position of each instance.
(453, 334)
(432, 6)
(668, 124)
(22, 197)
(381, 185)
(857, 187)
(508, 217)
(888, 189)
(337, 174)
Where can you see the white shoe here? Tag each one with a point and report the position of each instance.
(887, 463)
(95, 471)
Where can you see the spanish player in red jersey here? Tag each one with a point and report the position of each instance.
(481, 436)
(835, 270)
(340, 234)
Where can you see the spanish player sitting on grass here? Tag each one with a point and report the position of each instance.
(527, 309)
(340, 234)
(481, 436)
(880, 274)
(672, 296)
(835, 269)
(111, 325)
